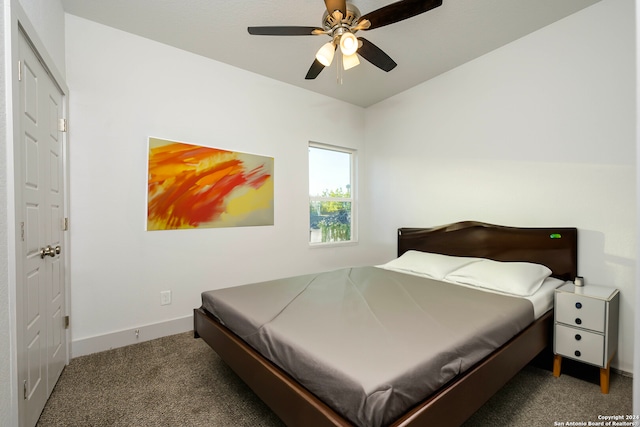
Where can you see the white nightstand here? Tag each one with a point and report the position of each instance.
(586, 327)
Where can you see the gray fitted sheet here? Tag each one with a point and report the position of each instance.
(370, 343)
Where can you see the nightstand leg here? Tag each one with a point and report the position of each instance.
(604, 379)
(557, 364)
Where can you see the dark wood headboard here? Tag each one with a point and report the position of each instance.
(557, 248)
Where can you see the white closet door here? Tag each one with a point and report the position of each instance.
(40, 196)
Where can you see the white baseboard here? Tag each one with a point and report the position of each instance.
(126, 337)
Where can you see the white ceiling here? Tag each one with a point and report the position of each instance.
(424, 46)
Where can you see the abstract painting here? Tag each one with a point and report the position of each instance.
(190, 186)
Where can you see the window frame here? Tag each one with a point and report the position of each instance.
(353, 153)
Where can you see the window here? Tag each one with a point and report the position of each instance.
(332, 207)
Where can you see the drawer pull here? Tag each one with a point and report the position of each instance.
(578, 321)
(578, 305)
(578, 337)
(577, 353)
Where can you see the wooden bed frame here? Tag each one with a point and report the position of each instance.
(456, 401)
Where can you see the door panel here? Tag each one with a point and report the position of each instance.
(31, 164)
(30, 89)
(35, 365)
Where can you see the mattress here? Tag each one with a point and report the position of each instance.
(369, 342)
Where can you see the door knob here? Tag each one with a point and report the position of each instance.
(46, 251)
(49, 250)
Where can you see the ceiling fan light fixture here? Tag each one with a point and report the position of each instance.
(350, 61)
(340, 21)
(325, 54)
(348, 44)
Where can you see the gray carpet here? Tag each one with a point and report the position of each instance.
(180, 381)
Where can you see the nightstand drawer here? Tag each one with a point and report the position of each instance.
(579, 345)
(579, 310)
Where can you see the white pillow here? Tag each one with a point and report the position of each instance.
(435, 266)
(515, 278)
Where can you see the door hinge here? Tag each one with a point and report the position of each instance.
(19, 71)
(65, 224)
(62, 125)
(25, 390)
(65, 319)
(22, 231)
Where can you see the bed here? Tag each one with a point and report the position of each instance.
(281, 379)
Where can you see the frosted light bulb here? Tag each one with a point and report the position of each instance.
(348, 44)
(325, 54)
(350, 61)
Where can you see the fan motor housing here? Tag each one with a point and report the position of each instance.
(329, 22)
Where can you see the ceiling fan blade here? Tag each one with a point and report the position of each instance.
(375, 55)
(315, 69)
(399, 11)
(285, 31)
(332, 5)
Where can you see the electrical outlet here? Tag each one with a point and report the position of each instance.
(165, 297)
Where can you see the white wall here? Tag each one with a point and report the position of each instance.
(538, 133)
(44, 20)
(126, 88)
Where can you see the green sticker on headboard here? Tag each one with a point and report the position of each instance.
(556, 236)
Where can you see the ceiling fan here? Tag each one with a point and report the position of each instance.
(341, 21)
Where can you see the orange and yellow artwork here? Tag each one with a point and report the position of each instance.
(190, 186)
